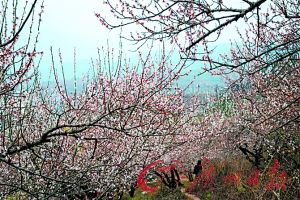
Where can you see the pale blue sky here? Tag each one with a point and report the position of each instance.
(69, 24)
(72, 24)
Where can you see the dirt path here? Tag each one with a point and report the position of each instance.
(192, 197)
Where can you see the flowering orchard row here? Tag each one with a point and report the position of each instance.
(95, 142)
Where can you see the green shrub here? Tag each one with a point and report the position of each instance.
(16, 196)
(138, 195)
(165, 193)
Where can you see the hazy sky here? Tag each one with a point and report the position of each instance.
(69, 24)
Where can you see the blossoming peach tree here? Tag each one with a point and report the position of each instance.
(89, 143)
(18, 62)
(261, 67)
(94, 142)
(263, 63)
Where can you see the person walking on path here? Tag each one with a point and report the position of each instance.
(197, 168)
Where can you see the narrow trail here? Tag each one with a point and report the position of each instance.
(192, 197)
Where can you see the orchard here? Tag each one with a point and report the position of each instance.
(131, 131)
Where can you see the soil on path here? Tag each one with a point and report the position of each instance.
(192, 197)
